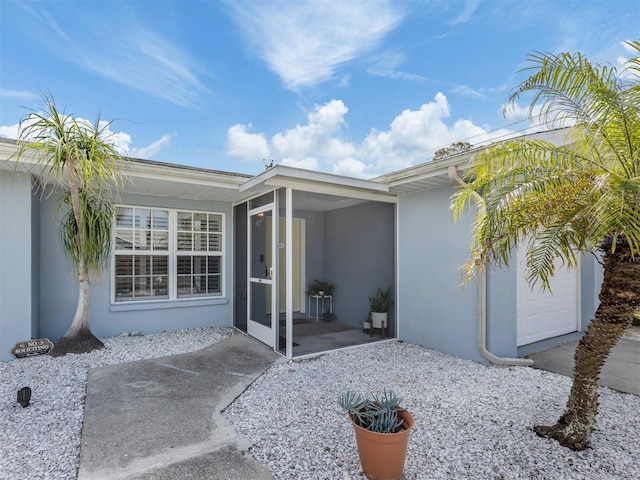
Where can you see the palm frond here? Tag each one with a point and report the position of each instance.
(561, 200)
(93, 247)
(79, 158)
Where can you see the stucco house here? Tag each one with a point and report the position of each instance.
(196, 247)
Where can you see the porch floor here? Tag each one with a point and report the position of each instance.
(313, 337)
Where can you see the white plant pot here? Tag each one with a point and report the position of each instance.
(379, 320)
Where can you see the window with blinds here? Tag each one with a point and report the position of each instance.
(166, 254)
(199, 254)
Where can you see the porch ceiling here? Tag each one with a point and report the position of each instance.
(322, 202)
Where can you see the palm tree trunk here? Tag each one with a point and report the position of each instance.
(81, 318)
(619, 299)
(79, 338)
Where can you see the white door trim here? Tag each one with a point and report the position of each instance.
(266, 335)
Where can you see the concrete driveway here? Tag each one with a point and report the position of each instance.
(621, 371)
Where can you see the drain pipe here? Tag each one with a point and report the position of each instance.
(482, 301)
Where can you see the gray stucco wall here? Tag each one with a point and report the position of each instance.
(314, 251)
(35, 264)
(16, 261)
(59, 290)
(433, 309)
(502, 311)
(359, 246)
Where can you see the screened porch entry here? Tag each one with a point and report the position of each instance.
(285, 239)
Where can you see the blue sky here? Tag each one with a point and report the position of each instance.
(356, 88)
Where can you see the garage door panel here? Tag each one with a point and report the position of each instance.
(547, 314)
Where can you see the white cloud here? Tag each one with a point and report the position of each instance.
(350, 167)
(628, 47)
(9, 131)
(250, 146)
(134, 55)
(386, 65)
(120, 140)
(308, 163)
(416, 134)
(316, 135)
(536, 121)
(467, 91)
(514, 111)
(150, 150)
(397, 75)
(23, 94)
(469, 9)
(413, 136)
(145, 61)
(305, 43)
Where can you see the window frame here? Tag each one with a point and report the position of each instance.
(172, 253)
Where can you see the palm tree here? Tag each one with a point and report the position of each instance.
(76, 157)
(562, 201)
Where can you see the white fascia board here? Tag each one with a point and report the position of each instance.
(134, 168)
(180, 174)
(284, 173)
(29, 160)
(7, 149)
(432, 169)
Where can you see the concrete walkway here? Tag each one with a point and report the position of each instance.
(160, 419)
(621, 371)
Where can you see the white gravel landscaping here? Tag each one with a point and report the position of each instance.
(472, 421)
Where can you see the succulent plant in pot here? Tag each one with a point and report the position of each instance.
(382, 430)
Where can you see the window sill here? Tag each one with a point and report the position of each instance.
(163, 304)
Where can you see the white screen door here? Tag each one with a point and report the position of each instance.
(261, 300)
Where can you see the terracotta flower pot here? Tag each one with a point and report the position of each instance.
(382, 455)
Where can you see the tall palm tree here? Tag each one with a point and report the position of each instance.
(77, 157)
(564, 200)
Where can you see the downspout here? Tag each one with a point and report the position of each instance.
(482, 303)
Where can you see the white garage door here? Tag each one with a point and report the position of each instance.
(543, 315)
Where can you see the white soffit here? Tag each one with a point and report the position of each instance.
(427, 175)
(435, 173)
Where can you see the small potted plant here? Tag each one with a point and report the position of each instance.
(320, 288)
(379, 306)
(382, 430)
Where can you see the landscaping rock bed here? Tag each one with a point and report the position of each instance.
(472, 421)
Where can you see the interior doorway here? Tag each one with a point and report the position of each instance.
(298, 287)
